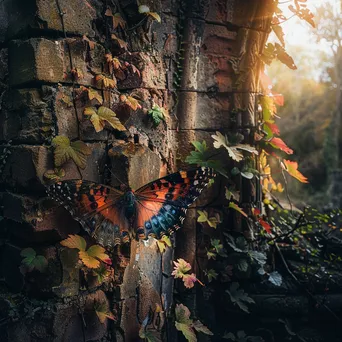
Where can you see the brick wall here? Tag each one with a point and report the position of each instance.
(41, 42)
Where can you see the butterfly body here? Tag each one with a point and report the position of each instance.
(113, 216)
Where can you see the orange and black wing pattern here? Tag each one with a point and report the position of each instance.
(97, 207)
(161, 205)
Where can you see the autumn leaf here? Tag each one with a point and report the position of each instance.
(100, 116)
(90, 43)
(146, 10)
(92, 94)
(292, 168)
(65, 150)
(203, 217)
(273, 127)
(278, 30)
(102, 273)
(118, 21)
(89, 257)
(278, 99)
(280, 144)
(130, 102)
(237, 208)
(121, 43)
(163, 243)
(189, 280)
(55, 174)
(181, 267)
(103, 312)
(284, 57)
(103, 82)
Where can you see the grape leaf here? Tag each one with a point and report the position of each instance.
(292, 168)
(233, 151)
(65, 150)
(181, 267)
(100, 116)
(211, 274)
(275, 278)
(203, 217)
(239, 297)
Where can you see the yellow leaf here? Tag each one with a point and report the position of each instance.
(74, 241)
(98, 252)
(88, 260)
(166, 240)
(292, 168)
(98, 117)
(93, 94)
(155, 16)
(130, 101)
(161, 246)
(102, 81)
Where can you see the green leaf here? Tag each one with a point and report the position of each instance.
(242, 265)
(218, 247)
(239, 245)
(33, 261)
(259, 257)
(234, 206)
(239, 297)
(275, 278)
(157, 114)
(200, 327)
(187, 331)
(182, 314)
(40, 263)
(211, 274)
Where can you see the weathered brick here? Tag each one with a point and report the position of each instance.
(204, 111)
(20, 16)
(49, 61)
(152, 73)
(134, 164)
(206, 65)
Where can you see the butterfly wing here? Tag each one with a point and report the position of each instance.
(97, 207)
(162, 204)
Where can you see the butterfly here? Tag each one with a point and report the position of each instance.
(113, 216)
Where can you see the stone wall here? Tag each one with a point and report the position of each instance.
(184, 65)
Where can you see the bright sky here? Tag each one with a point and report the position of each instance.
(297, 32)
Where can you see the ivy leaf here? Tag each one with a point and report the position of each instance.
(233, 151)
(181, 267)
(55, 174)
(218, 246)
(280, 144)
(292, 168)
(200, 327)
(100, 116)
(203, 217)
(121, 43)
(92, 94)
(118, 21)
(157, 114)
(130, 102)
(239, 297)
(211, 274)
(275, 278)
(163, 242)
(104, 82)
(234, 206)
(189, 280)
(65, 150)
(103, 312)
